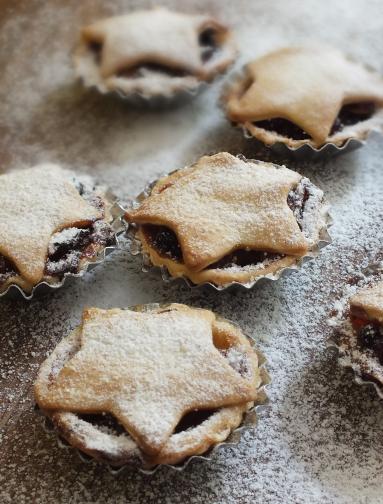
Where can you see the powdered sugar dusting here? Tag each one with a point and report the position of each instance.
(321, 440)
(223, 203)
(62, 237)
(36, 202)
(97, 438)
(148, 361)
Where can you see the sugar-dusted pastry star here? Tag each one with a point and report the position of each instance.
(36, 203)
(368, 302)
(304, 85)
(222, 204)
(157, 36)
(147, 369)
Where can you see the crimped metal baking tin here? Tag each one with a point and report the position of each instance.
(44, 287)
(304, 152)
(141, 99)
(341, 327)
(307, 152)
(134, 246)
(250, 418)
(175, 97)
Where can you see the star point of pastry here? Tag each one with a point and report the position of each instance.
(36, 203)
(306, 86)
(222, 204)
(147, 369)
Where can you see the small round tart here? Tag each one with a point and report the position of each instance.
(149, 385)
(306, 96)
(359, 330)
(227, 220)
(53, 223)
(153, 53)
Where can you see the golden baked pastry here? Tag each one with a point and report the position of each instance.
(52, 222)
(368, 303)
(153, 52)
(306, 95)
(360, 333)
(226, 220)
(168, 382)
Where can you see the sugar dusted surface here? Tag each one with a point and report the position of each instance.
(63, 236)
(321, 440)
(133, 365)
(227, 202)
(97, 438)
(36, 203)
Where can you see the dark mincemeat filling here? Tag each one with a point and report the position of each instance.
(108, 422)
(64, 255)
(193, 419)
(104, 420)
(165, 241)
(7, 269)
(297, 200)
(208, 41)
(370, 336)
(348, 116)
(139, 71)
(95, 48)
(244, 258)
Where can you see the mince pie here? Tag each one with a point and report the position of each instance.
(308, 96)
(52, 223)
(153, 53)
(361, 333)
(150, 385)
(226, 220)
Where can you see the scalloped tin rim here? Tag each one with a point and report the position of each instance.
(139, 97)
(349, 145)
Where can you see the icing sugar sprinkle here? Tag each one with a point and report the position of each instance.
(320, 442)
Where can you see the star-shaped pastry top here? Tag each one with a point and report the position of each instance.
(147, 369)
(222, 204)
(35, 204)
(307, 86)
(155, 36)
(370, 302)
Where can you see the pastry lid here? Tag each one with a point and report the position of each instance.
(343, 339)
